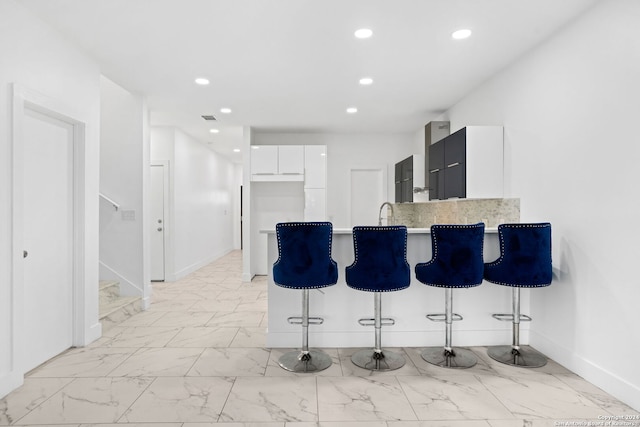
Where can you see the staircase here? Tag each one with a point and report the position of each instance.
(115, 308)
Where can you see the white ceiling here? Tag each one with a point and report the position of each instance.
(294, 65)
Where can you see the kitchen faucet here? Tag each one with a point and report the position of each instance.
(393, 218)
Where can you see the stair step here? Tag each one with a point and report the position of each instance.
(118, 311)
(109, 290)
(113, 308)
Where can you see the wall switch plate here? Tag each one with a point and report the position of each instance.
(129, 215)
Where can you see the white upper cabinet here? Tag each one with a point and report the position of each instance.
(315, 166)
(277, 163)
(264, 160)
(291, 159)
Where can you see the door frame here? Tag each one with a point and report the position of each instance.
(168, 224)
(23, 99)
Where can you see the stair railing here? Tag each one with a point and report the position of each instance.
(114, 204)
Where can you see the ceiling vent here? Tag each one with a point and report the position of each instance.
(209, 117)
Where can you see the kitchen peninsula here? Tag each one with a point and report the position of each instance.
(341, 306)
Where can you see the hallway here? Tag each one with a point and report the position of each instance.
(197, 357)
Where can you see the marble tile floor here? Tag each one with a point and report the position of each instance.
(197, 357)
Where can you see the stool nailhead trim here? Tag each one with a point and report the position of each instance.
(299, 224)
(379, 228)
(435, 253)
(499, 260)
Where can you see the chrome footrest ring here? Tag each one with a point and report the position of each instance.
(442, 317)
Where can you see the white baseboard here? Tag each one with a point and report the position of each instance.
(183, 272)
(94, 333)
(618, 387)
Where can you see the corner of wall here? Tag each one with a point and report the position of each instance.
(9, 382)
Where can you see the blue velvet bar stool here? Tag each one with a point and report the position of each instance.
(304, 262)
(380, 265)
(456, 262)
(525, 262)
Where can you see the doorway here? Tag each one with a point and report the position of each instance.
(159, 184)
(48, 229)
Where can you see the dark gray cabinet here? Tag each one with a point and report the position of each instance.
(436, 170)
(404, 180)
(433, 132)
(398, 182)
(409, 174)
(467, 163)
(454, 165)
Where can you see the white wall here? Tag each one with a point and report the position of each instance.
(122, 166)
(346, 151)
(37, 58)
(570, 109)
(204, 197)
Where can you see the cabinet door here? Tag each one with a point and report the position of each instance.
(454, 163)
(398, 173)
(264, 159)
(436, 170)
(291, 159)
(436, 155)
(433, 185)
(454, 182)
(407, 191)
(407, 169)
(455, 148)
(315, 166)
(407, 180)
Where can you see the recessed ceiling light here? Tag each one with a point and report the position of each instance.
(363, 33)
(214, 130)
(225, 110)
(202, 81)
(236, 150)
(352, 110)
(365, 81)
(461, 34)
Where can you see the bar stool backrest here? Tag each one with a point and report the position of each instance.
(525, 256)
(456, 257)
(380, 263)
(304, 256)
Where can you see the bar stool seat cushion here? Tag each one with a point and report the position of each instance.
(305, 256)
(525, 256)
(380, 263)
(457, 257)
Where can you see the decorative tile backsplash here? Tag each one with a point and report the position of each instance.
(457, 211)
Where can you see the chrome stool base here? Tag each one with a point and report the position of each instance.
(377, 361)
(313, 361)
(523, 357)
(456, 358)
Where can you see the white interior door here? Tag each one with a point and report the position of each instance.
(157, 222)
(48, 237)
(367, 194)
